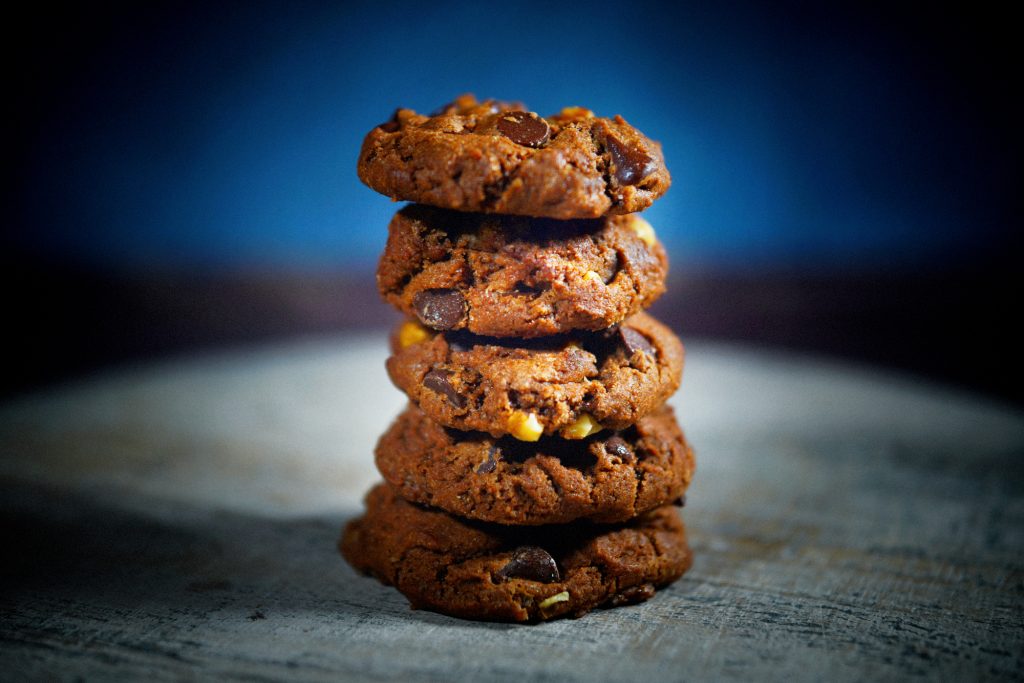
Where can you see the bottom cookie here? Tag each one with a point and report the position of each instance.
(502, 573)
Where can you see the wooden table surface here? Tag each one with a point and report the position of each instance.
(178, 520)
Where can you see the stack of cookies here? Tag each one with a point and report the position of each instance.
(534, 472)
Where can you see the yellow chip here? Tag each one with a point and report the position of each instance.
(584, 426)
(642, 229)
(411, 332)
(557, 597)
(525, 426)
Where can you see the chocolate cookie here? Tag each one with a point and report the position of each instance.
(500, 573)
(494, 157)
(509, 276)
(572, 385)
(607, 477)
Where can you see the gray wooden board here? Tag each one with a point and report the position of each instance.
(179, 521)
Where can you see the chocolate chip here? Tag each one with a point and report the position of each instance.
(629, 165)
(531, 563)
(617, 446)
(524, 128)
(490, 464)
(680, 502)
(634, 341)
(441, 309)
(437, 380)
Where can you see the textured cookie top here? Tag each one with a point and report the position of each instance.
(492, 572)
(607, 477)
(495, 157)
(511, 276)
(573, 385)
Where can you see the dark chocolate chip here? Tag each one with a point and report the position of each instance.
(633, 595)
(634, 341)
(617, 446)
(490, 464)
(524, 128)
(629, 165)
(437, 380)
(531, 563)
(441, 309)
(680, 502)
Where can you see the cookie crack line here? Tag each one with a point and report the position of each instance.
(639, 475)
(555, 488)
(605, 167)
(496, 191)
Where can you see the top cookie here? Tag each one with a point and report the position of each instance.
(495, 157)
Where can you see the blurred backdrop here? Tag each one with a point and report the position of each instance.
(846, 180)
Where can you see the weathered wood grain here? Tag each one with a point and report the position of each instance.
(179, 521)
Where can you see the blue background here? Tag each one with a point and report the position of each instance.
(225, 138)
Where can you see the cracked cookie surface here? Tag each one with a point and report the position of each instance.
(500, 573)
(494, 157)
(607, 477)
(510, 276)
(572, 385)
